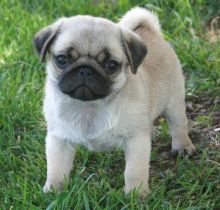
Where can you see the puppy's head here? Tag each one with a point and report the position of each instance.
(89, 58)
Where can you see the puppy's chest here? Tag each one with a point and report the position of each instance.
(105, 141)
(95, 129)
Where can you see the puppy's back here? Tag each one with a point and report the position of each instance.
(161, 67)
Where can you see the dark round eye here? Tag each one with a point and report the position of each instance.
(62, 60)
(112, 65)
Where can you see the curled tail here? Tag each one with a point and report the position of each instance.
(140, 17)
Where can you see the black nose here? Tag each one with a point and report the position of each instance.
(85, 71)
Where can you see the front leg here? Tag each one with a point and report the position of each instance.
(60, 156)
(137, 156)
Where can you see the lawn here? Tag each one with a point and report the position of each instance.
(193, 183)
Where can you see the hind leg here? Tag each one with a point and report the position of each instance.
(177, 120)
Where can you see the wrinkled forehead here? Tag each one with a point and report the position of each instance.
(89, 35)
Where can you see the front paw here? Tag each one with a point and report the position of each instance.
(49, 186)
(142, 189)
(188, 149)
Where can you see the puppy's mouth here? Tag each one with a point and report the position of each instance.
(84, 93)
(84, 83)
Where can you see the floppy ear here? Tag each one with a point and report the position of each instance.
(44, 38)
(135, 49)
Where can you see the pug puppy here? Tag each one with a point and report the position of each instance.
(106, 84)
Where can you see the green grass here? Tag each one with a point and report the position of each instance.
(97, 178)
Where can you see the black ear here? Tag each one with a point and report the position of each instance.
(135, 49)
(43, 39)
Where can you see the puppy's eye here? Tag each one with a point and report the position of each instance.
(62, 60)
(112, 65)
